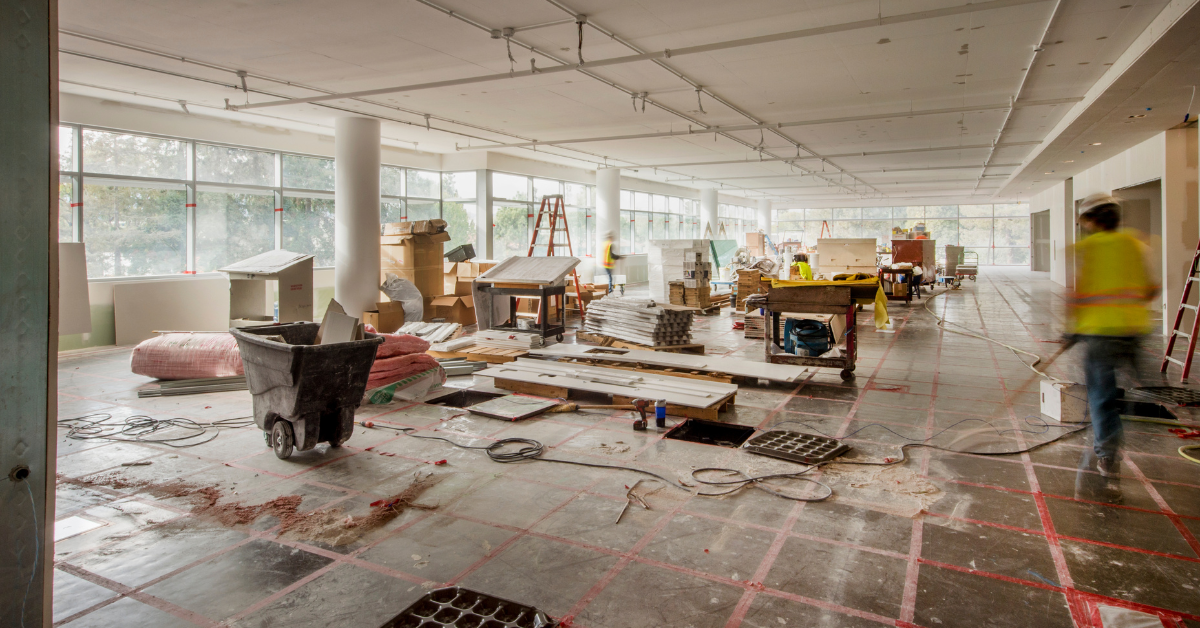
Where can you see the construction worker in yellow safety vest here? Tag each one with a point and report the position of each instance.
(608, 258)
(1107, 312)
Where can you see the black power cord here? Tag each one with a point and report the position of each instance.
(141, 429)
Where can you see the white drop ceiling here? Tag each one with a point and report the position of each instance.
(158, 53)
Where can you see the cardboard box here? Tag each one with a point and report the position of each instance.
(455, 309)
(386, 318)
(456, 286)
(468, 269)
(1065, 402)
(293, 274)
(420, 227)
(411, 252)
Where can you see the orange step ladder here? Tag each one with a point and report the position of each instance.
(553, 211)
(1186, 362)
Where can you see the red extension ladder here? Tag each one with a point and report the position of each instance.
(555, 215)
(1186, 362)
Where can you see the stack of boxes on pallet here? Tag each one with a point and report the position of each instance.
(456, 304)
(748, 282)
(639, 321)
(687, 262)
(413, 251)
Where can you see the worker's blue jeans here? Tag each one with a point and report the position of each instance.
(1104, 355)
(610, 279)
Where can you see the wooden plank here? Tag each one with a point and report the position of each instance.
(710, 413)
(650, 368)
(541, 390)
(472, 354)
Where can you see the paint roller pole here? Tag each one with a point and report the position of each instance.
(356, 214)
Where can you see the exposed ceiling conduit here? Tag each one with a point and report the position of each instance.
(857, 154)
(1021, 88)
(809, 174)
(663, 54)
(758, 127)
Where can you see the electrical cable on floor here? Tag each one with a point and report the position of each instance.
(140, 428)
(532, 450)
(942, 323)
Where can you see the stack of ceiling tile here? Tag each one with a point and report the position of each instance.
(433, 332)
(508, 340)
(640, 321)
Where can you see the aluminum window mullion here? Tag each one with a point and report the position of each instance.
(278, 200)
(189, 261)
(77, 184)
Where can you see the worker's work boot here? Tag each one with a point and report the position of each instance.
(1108, 466)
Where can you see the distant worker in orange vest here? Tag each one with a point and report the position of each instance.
(608, 258)
(1107, 312)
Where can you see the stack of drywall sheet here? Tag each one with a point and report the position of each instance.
(509, 340)
(639, 320)
(433, 332)
(847, 255)
(688, 261)
(681, 361)
(680, 391)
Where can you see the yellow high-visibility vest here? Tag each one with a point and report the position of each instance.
(606, 257)
(1112, 286)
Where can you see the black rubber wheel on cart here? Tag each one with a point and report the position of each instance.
(847, 375)
(559, 337)
(282, 439)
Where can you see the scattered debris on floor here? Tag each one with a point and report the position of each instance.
(893, 489)
(330, 526)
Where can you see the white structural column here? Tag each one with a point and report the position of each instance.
(764, 215)
(356, 214)
(1180, 225)
(708, 214)
(608, 207)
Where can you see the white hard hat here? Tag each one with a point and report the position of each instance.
(1099, 199)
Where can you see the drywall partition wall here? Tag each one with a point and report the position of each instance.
(1056, 199)
(28, 307)
(193, 304)
(1142, 163)
(1180, 223)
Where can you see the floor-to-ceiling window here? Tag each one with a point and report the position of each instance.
(646, 217)
(734, 222)
(154, 205)
(997, 233)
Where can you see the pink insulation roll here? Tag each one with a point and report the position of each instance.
(187, 356)
(388, 370)
(400, 344)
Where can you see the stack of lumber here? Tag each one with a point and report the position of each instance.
(749, 282)
(639, 320)
(172, 388)
(433, 332)
(468, 347)
(755, 326)
(509, 340)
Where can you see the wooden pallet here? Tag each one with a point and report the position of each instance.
(609, 341)
(560, 392)
(491, 355)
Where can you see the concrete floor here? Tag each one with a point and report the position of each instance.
(944, 539)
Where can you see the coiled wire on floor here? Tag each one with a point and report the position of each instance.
(143, 429)
(532, 450)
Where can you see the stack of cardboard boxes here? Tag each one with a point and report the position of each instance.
(698, 295)
(413, 251)
(456, 304)
(748, 282)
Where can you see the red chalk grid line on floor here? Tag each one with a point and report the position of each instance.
(817, 602)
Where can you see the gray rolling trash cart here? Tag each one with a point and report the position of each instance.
(304, 394)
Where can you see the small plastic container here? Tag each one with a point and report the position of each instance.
(303, 393)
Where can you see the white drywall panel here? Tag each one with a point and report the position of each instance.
(74, 304)
(192, 304)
